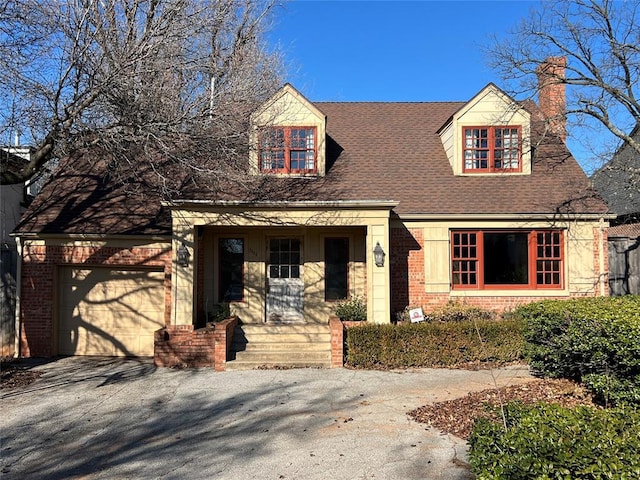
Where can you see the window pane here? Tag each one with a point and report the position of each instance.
(231, 265)
(284, 258)
(464, 263)
(274, 271)
(336, 268)
(549, 261)
(295, 271)
(506, 258)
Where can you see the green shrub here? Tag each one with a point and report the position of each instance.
(454, 311)
(433, 344)
(549, 441)
(591, 340)
(352, 309)
(220, 312)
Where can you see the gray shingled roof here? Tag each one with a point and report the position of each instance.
(619, 181)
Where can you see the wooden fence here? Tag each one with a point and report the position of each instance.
(624, 266)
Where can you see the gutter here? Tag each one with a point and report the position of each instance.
(89, 236)
(506, 216)
(351, 204)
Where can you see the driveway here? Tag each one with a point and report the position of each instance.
(125, 419)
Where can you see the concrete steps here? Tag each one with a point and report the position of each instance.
(280, 346)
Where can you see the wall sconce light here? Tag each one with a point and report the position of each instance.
(183, 255)
(378, 255)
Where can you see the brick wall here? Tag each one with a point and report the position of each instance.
(407, 268)
(184, 346)
(408, 277)
(39, 284)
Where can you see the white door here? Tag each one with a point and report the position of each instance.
(285, 287)
(109, 312)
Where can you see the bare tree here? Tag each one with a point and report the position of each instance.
(140, 79)
(600, 42)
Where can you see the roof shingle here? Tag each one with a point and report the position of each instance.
(377, 151)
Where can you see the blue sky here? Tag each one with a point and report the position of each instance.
(391, 51)
(411, 51)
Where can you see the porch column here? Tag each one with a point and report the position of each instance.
(378, 278)
(182, 277)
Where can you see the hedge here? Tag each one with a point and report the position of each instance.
(595, 341)
(434, 344)
(549, 441)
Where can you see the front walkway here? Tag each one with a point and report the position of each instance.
(114, 418)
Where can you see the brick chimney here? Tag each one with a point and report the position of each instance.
(551, 94)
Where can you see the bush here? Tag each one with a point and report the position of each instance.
(595, 341)
(549, 441)
(454, 311)
(353, 309)
(220, 312)
(433, 344)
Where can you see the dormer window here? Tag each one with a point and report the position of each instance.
(288, 150)
(492, 149)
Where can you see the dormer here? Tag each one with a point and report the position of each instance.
(489, 135)
(288, 136)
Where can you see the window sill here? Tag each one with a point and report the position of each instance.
(543, 292)
(496, 173)
(289, 175)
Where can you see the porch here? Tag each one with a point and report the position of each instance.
(278, 264)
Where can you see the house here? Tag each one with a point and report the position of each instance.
(618, 183)
(473, 201)
(13, 201)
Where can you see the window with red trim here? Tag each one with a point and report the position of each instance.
(497, 259)
(288, 150)
(492, 149)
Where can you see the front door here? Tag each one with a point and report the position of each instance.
(285, 287)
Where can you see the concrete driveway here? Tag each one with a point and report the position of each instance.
(125, 419)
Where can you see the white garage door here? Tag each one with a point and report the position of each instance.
(109, 312)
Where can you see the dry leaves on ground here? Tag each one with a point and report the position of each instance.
(457, 416)
(14, 376)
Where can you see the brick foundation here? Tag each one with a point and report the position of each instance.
(184, 346)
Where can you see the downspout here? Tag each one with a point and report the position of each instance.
(18, 316)
(601, 254)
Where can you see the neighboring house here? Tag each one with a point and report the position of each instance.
(13, 201)
(469, 201)
(618, 182)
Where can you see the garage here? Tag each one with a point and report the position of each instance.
(103, 311)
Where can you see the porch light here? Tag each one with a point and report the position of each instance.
(183, 255)
(378, 255)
